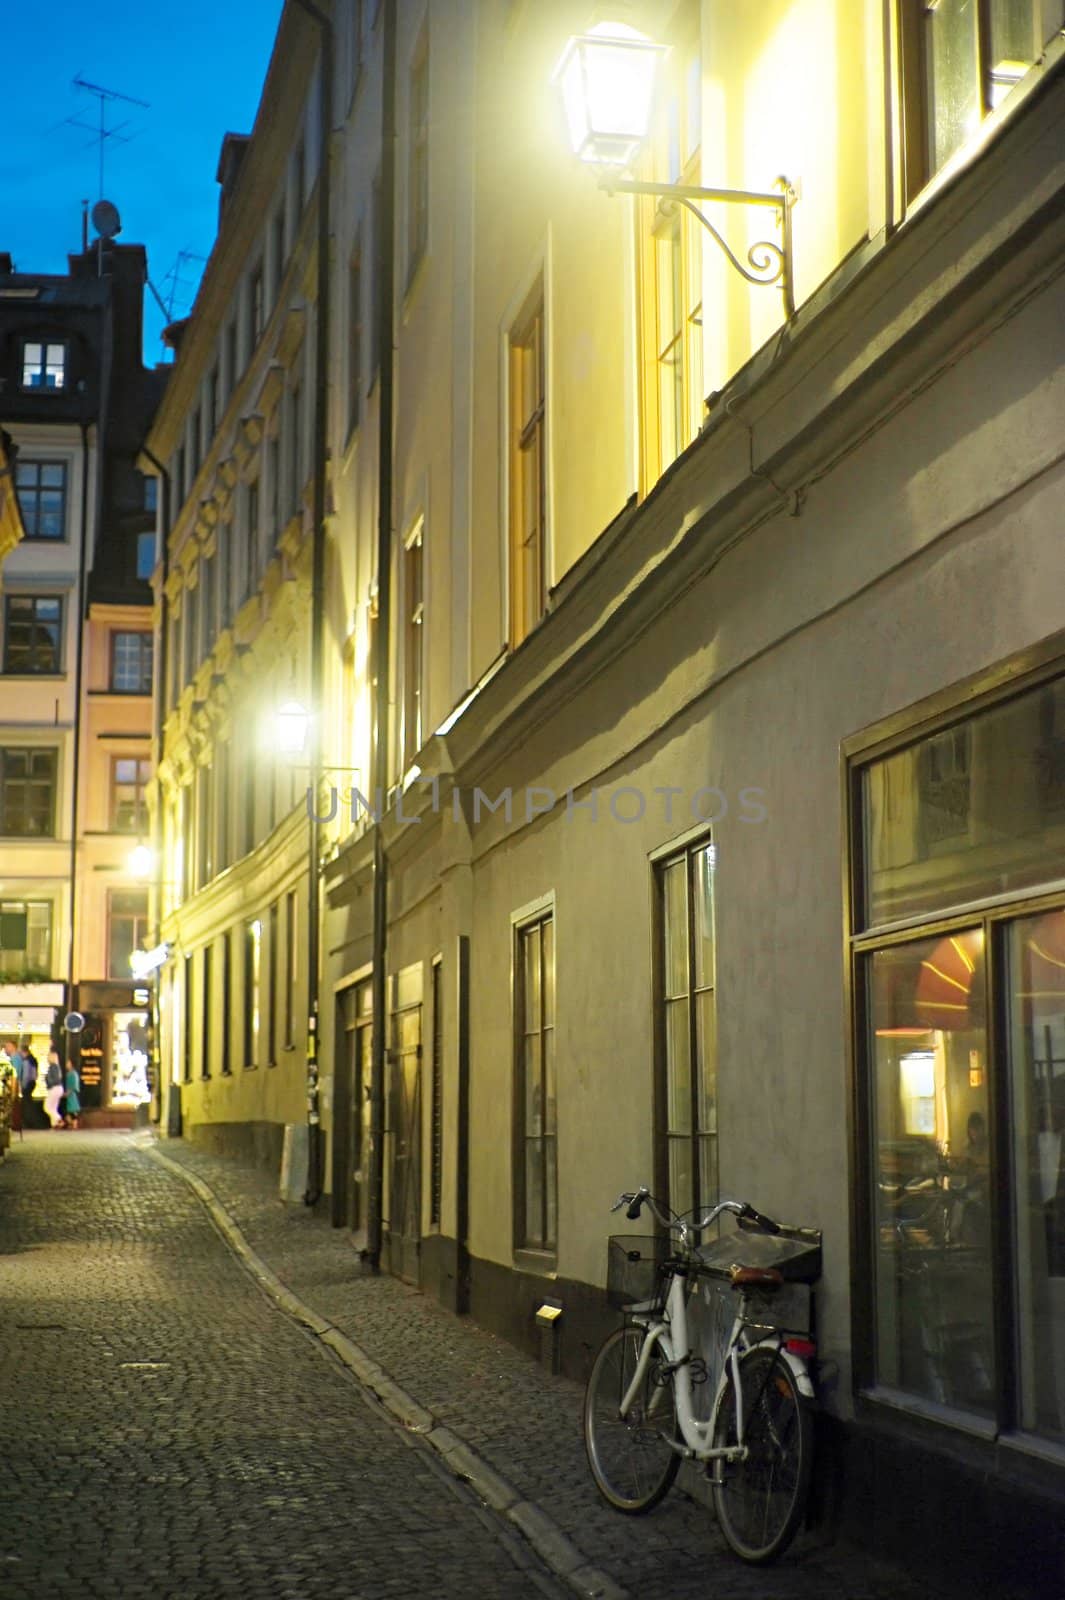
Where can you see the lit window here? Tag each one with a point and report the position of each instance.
(26, 938)
(43, 365)
(32, 633)
(528, 476)
(129, 778)
(127, 929)
(418, 158)
(253, 934)
(960, 59)
(27, 793)
(413, 645)
(42, 494)
(687, 1129)
(536, 1199)
(131, 663)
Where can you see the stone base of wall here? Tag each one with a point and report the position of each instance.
(255, 1143)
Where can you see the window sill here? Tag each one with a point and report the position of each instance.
(541, 1263)
(31, 677)
(924, 1412)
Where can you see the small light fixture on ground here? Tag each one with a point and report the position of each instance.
(606, 78)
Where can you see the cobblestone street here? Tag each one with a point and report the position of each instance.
(168, 1431)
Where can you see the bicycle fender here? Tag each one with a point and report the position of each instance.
(799, 1370)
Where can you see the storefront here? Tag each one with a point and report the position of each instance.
(113, 1050)
(28, 1014)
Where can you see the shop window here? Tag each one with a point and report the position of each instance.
(227, 999)
(27, 792)
(253, 940)
(42, 497)
(207, 1013)
(25, 940)
(536, 1190)
(686, 1099)
(528, 473)
(129, 779)
(127, 929)
(44, 365)
(963, 1103)
(960, 59)
(291, 957)
(33, 631)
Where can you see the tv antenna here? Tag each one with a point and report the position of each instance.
(102, 133)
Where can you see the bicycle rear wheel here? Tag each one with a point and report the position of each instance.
(631, 1460)
(760, 1500)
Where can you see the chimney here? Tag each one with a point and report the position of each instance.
(230, 160)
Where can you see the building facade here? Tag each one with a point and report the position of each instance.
(77, 647)
(686, 750)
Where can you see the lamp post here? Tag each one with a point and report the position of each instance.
(606, 79)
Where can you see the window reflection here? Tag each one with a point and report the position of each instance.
(933, 1288)
(1037, 1040)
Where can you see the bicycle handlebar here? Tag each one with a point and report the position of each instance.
(635, 1202)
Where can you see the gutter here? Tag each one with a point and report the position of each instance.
(173, 1119)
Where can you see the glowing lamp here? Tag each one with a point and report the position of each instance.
(292, 724)
(607, 80)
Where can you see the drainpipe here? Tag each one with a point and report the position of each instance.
(384, 246)
(173, 1121)
(72, 1039)
(321, 403)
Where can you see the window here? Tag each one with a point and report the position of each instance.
(355, 335)
(212, 403)
(377, 290)
(27, 793)
(251, 547)
(186, 989)
(146, 553)
(130, 776)
(686, 1088)
(960, 59)
(271, 984)
(290, 970)
(127, 929)
(196, 443)
(227, 1014)
(232, 374)
(253, 937)
(418, 157)
(180, 485)
(299, 184)
(206, 1021)
(413, 646)
(149, 492)
(962, 1099)
(671, 281)
(42, 495)
(536, 1202)
(33, 627)
(273, 478)
(279, 250)
(256, 306)
(131, 661)
(528, 474)
(25, 940)
(43, 365)
(436, 1107)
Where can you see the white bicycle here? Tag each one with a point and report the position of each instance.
(639, 1421)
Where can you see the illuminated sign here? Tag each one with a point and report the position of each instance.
(144, 962)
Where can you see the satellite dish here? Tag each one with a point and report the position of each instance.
(106, 220)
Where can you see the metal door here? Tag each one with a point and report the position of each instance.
(404, 1100)
(352, 1110)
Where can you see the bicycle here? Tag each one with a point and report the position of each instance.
(639, 1422)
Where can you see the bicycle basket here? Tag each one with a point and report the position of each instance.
(634, 1269)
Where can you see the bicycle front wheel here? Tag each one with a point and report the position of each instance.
(630, 1457)
(760, 1499)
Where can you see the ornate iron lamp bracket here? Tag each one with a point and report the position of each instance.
(768, 263)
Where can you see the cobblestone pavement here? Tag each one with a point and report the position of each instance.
(168, 1432)
(522, 1421)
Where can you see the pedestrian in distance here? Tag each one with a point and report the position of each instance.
(73, 1088)
(26, 1069)
(53, 1088)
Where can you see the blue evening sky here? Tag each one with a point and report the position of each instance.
(199, 64)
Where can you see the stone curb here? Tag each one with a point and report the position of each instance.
(555, 1548)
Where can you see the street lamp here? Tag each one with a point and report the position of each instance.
(293, 724)
(606, 78)
(140, 861)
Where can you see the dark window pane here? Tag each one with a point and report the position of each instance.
(973, 811)
(953, 65)
(1036, 961)
(930, 1112)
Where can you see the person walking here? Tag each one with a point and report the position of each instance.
(26, 1068)
(73, 1088)
(53, 1088)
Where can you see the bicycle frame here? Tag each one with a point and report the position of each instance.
(669, 1333)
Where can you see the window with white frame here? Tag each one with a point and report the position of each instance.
(413, 732)
(44, 364)
(42, 496)
(33, 633)
(535, 1097)
(26, 938)
(528, 472)
(130, 776)
(131, 660)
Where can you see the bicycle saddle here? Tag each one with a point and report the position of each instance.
(755, 1277)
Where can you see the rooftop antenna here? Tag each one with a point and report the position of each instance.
(103, 133)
